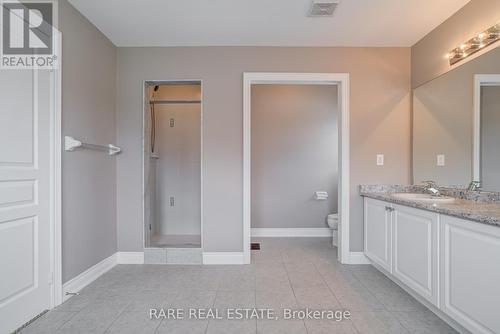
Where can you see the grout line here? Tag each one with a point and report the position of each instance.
(156, 329)
(213, 306)
(370, 292)
(335, 296)
(117, 316)
(255, 292)
(65, 322)
(326, 284)
(383, 305)
(293, 290)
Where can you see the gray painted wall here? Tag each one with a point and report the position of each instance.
(490, 138)
(294, 154)
(380, 123)
(88, 113)
(442, 122)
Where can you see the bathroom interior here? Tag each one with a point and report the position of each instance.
(294, 147)
(216, 154)
(172, 166)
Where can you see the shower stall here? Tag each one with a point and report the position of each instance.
(172, 170)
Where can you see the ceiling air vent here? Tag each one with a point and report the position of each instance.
(323, 7)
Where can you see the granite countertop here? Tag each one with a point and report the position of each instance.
(482, 211)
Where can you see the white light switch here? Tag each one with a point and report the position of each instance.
(440, 160)
(380, 159)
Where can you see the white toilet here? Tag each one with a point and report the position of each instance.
(333, 223)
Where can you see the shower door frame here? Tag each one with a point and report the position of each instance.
(145, 113)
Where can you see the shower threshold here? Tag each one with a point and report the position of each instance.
(175, 241)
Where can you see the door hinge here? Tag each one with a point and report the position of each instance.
(172, 201)
(150, 227)
(172, 122)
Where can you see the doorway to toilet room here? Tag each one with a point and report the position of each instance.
(172, 172)
(293, 187)
(294, 159)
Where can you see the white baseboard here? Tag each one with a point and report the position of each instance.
(130, 257)
(88, 276)
(291, 232)
(358, 258)
(223, 258)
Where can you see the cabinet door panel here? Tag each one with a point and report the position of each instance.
(415, 250)
(471, 274)
(377, 221)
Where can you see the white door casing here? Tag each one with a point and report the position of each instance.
(341, 80)
(480, 80)
(27, 180)
(146, 155)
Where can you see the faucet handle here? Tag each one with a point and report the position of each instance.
(474, 185)
(430, 183)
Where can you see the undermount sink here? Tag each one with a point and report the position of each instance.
(424, 197)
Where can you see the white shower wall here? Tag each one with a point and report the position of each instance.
(177, 174)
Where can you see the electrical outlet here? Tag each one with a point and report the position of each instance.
(440, 160)
(380, 159)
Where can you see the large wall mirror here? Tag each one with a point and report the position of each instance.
(456, 125)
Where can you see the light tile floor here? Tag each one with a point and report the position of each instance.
(290, 273)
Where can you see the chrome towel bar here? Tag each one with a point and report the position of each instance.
(70, 144)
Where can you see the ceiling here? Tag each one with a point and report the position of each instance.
(265, 22)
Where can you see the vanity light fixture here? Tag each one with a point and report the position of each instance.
(473, 45)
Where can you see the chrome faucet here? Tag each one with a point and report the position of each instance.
(432, 187)
(474, 185)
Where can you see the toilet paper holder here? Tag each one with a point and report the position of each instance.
(320, 195)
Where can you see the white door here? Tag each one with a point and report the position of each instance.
(377, 221)
(25, 178)
(415, 250)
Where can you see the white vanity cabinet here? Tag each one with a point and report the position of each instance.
(470, 274)
(377, 223)
(415, 250)
(452, 263)
(403, 241)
